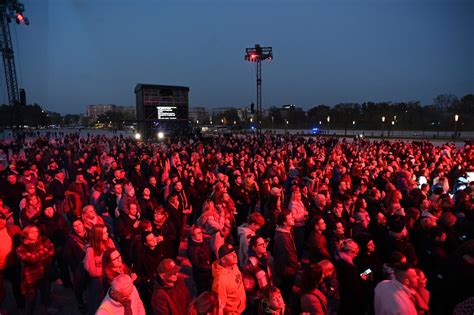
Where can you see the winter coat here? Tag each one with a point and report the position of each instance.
(284, 252)
(168, 300)
(201, 258)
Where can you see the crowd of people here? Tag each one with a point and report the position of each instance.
(271, 224)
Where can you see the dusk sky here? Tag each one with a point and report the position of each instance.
(80, 52)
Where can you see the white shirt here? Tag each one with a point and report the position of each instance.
(393, 298)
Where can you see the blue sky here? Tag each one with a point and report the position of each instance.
(80, 52)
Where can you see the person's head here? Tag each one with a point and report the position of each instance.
(338, 207)
(118, 189)
(49, 211)
(422, 280)
(168, 271)
(258, 244)
(98, 238)
(152, 180)
(227, 255)
(80, 178)
(255, 221)
(11, 179)
(30, 189)
(78, 226)
(406, 274)
(159, 215)
(121, 288)
(30, 233)
(149, 239)
(3, 220)
(437, 234)
(112, 258)
(207, 303)
(362, 219)
(178, 186)
(319, 224)
(132, 209)
(348, 247)
(312, 277)
(339, 228)
(88, 213)
(196, 234)
(146, 192)
(285, 218)
(272, 301)
(327, 268)
(381, 219)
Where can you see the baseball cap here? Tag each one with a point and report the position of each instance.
(168, 266)
(226, 249)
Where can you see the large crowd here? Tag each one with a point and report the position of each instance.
(271, 224)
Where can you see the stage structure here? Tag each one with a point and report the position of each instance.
(161, 108)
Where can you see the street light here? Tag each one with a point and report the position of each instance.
(353, 127)
(328, 119)
(383, 125)
(456, 118)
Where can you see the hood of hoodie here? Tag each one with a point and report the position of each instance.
(244, 230)
(282, 230)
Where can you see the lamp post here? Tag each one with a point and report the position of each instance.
(328, 119)
(272, 123)
(383, 125)
(393, 128)
(353, 127)
(456, 118)
(258, 54)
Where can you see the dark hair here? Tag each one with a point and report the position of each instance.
(144, 235)
(312, 275)
(256, 218)
(253, 240)
(281, 219)
(400, 269)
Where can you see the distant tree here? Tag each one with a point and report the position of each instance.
(445, 101)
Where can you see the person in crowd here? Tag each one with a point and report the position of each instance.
(329, 286)
(313, 301)
(112, 266)
(206, 303)
(146, 258)
(121, 298)
(300, 214)
(352, 287)
(126, 228)
(90, 218)
(163, 227)
(247, 230)
(272, 302)
(228, 283)
(74, 253)
(55, 227)
(397, 296)
(170, 295)
(200, 255)
(99, 241)
(317, 244)
(257, 271)
(10, 237)
(35, 254)
(284, 252)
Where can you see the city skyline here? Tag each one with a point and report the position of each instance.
(78, 52)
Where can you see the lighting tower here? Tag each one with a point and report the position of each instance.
(9, 10)
(258, 54)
